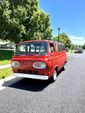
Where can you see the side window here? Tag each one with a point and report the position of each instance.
(52, 48)
(63, 46)
(60, 47)
(57, 48)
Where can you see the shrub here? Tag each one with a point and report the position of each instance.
(6, 54)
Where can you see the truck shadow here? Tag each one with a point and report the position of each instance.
(29, 84)
(63, 69)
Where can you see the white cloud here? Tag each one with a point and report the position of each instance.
(77, 40)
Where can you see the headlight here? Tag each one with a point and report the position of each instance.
(15, 64)
(39, 65)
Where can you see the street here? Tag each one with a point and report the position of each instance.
(65, 95)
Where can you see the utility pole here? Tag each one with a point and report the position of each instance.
(58, 33)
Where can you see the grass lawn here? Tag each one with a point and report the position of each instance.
(3, 62)
(5, 72)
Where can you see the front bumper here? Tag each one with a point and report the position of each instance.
(32, 76)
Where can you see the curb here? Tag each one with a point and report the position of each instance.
(2, 81)
(5, 66)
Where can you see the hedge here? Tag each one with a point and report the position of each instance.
(6, 54)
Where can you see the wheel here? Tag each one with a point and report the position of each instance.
(54, 77)
(63, 68)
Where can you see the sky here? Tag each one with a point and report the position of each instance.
(69, 15)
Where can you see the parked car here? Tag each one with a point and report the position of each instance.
(79, 50)
(38, 59)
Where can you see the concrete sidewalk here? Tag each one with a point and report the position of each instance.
(2, 81)
(8, 78)
(5, 66)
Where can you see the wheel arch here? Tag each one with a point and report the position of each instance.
(56, 68)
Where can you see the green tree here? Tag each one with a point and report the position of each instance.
(63, 38)
(40, 23)
(72, 46)
(83, 46)
(23, 20)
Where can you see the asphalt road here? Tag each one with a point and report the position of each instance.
(66, 95)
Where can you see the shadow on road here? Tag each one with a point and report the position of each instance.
(29, 84)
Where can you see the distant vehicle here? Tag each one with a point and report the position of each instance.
(79, 50)
(40, 59)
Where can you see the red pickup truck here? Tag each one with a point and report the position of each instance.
(38, 59)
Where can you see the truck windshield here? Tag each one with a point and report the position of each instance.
(39, 48)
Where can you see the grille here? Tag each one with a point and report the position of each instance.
(28, 71)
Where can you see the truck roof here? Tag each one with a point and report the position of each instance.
(50, 41)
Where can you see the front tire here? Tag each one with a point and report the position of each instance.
(54, 77)
(63, 68)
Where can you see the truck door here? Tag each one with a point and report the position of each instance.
(52, 55)
(60, 56)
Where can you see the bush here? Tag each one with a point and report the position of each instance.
(6, 54)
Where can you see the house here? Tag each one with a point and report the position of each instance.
(6, 44)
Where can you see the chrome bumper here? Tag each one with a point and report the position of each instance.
(32, 76)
